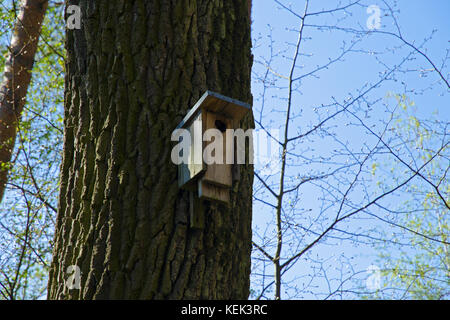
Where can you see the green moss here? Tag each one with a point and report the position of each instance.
(148, 62)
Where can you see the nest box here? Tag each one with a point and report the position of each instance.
(209, 180)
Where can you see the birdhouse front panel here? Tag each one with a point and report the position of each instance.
(213, 192)
(217, 173)
(206, 171)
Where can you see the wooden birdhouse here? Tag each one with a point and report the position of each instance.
(208, 179)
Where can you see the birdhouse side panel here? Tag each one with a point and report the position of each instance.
(195, 166)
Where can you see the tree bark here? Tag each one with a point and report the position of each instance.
(17, 77)
(133, 70)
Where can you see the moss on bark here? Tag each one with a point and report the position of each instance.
(133, 71)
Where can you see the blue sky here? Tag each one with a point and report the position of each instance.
(417, 19)
(371, 55)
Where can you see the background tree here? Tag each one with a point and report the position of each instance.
(17, 76)
(133, 70)
(419, 265)
(28, 209)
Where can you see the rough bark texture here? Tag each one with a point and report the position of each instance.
(17, 77)
(133, 71)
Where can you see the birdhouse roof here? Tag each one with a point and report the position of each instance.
(215, 102)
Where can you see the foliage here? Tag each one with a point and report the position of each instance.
(416, 262)
(28, 210)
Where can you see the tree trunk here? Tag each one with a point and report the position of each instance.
(133, 70)
(17, 77)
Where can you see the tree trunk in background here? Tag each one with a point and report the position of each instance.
(17, 77)
(133, 71)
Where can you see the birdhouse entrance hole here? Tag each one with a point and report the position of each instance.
(203, 178)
